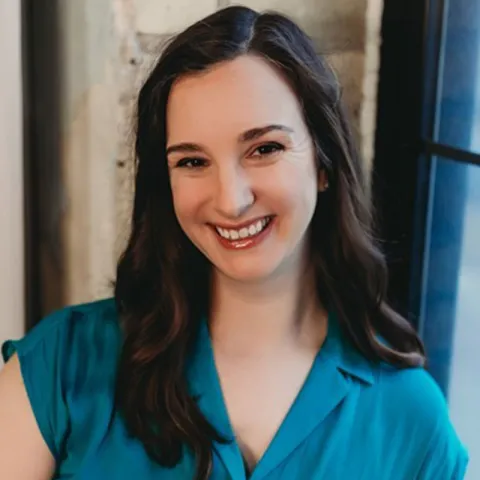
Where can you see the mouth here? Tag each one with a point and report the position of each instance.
(248, 235)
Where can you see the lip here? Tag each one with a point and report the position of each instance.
(245, 243)
(238, 226)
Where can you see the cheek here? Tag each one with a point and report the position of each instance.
(292, 190)
(188, 197)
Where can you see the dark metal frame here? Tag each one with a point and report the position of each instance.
(31, 217)
(42, 180)
(398, 146)
(456, 154)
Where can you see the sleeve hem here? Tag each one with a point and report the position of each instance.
(462, 465)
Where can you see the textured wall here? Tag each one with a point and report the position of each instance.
(109, 45)
(11, 173)
(90, 111)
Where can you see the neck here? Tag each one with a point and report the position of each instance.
(267, 316)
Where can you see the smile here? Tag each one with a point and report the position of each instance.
(247, 231)
(248, 235)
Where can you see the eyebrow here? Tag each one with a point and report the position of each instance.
(255, 133)
(248, 136)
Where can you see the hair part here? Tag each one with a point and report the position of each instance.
(162, 287)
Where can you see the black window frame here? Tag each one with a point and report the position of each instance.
(408, 92)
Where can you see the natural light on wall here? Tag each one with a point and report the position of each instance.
(11, 173)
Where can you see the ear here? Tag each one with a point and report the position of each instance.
(322, 181)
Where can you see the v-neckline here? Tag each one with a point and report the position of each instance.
(305, 414)
(246, 469)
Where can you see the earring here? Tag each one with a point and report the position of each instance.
(325, 187)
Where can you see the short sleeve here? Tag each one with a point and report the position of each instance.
(446, 458)
(40, 358)
(420, 427)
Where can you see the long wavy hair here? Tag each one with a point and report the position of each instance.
(162, 286)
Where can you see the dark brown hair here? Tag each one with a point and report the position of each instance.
(162, 280)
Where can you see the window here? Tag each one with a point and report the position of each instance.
(427, 180)
(450, 288)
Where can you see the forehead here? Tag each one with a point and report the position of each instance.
(229, 98)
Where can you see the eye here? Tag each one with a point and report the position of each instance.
(268, 149)
(191, 163)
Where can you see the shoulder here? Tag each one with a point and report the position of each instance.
(70, 356)
(416, 413)
(79, 343)
(413, 396)
(414, 390)
(78, 326)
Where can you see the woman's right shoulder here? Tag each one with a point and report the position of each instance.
(87, 329)
(69, 356)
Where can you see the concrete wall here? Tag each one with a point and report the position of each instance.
(90, 137)
(108, 46)
(11, 173)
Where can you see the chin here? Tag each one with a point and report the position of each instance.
(248, 271)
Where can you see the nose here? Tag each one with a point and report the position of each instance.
(234, 194)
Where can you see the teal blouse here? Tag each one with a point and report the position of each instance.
(352, 420)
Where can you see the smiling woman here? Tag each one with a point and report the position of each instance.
(246, 171)
(249, 335)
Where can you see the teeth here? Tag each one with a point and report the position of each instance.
(250, 231)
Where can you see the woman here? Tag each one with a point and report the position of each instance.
(249, 334)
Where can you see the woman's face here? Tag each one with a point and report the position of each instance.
(242, 168)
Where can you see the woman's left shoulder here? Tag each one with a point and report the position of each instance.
(411, 394)
(413, 403)
(412, 388)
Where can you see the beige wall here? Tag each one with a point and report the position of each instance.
(11, 183)
(108, 45)
(90, 138)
